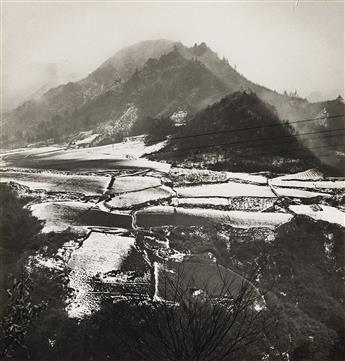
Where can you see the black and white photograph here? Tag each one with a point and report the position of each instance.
(172, 180)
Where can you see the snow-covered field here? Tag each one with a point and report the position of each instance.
(99, 253)
(58, 182)
(79, 216)
(133, 183)
(321, 212)
(137, 198)
(307, 175)
(199, 202)
(117, 205)
(167, 215)
(229, 189)
(298, 193)
(310, 179)
(247, 177)
(318, 185)
(126, 150)
(58, 216)
(124, 154)
(28, 152)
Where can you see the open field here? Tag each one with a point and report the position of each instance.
(58, 182)
(99, 254)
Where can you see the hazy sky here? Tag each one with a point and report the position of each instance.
(274, 43)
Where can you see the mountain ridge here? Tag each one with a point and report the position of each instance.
(156, 90)
(108, 84)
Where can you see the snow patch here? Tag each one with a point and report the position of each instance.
(247, 177)
(133, 183)
(311, 178)
(212, 201)
(179, 118)
(99, 253)
(321, 212)
(58, 216)
(230, 189)
(57, 182)
(131, 199)
(87, 141)
(298, 193)
(310, 174)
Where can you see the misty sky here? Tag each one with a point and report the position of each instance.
(277, 44)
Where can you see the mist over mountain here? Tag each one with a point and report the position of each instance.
(32, 80)
(158, 89)
(152, 78)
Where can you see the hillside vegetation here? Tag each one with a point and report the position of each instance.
(301, 274)
(240, 132)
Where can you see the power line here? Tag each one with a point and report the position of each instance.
(314, 148)
(269, 144)
(248, 141)
(291, 141)
(276, 124)
(294, 139)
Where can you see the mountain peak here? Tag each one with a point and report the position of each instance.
(124, 62)
(142, 50)
(200, 49)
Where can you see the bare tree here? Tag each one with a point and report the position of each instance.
(197, 318)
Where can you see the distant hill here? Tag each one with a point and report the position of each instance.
(32, 80)
(149, 79)
(240, 132)
(288, 106)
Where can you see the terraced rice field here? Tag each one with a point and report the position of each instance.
(116, 201)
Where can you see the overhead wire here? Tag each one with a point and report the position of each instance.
(249, 142)
(233, 130)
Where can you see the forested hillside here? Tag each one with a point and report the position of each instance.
(238, 132)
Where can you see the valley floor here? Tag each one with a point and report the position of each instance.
(118, 203)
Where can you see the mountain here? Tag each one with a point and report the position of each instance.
(125, 62)
(288, 106)
(152, 78)
(219, 67)
(32, 80)
(158, 88)
(239, 132)
(109, 76)
(64, 99)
